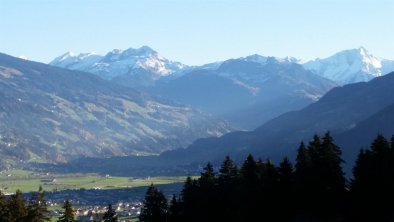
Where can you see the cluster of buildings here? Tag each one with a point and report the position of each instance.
(126, 211)
(91, 204)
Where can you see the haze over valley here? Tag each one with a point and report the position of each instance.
(137, 102)
(189, 111)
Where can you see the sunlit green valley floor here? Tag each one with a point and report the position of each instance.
(28, 181)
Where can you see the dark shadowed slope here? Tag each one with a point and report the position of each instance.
(354, 114)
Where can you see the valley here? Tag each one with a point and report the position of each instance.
(255, 104)
(50, 114)
(29, 181)
(190, 111)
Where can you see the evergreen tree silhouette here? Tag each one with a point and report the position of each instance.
(228, 191)
(372, 186)
(330, 177)
(175, 210)
(68, 215)
(269, 190)
(208, 177)
(302, 181)
(189, 200)
(4, 211)
(155, 206)
(228, 172)
(249, 171)
(250, 189)
(37, 210)
(303, 165)
(17, 207)
(207, 191)
(315, 190)
(360, 195)
(285, 171)
(320, 182)
(314, 149)
(286, 190)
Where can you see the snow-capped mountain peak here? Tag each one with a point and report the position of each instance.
(370, 61)
(64, 57)
(287, 59)
(264, 59)
(71, 60)
(144, 50)
(142, 63)
(132, 53)
(255, 58)
(350, 66)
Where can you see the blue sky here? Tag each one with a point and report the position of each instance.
(197, 31)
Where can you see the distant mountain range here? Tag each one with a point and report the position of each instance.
(354, 114)
(247, 91)
(144, 65)
(351, 66)
(54, 114)
(134, 67)
(136, 107)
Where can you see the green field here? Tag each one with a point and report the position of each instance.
(28, 181)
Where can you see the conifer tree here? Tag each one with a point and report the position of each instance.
(268, 191)
(17, 207)
(373, 182)
(302, 178)
(207, 194)
(381, 163)
(360, 169)
(249, 171)
(110, 215)
(68, 215)
(331, 181)
(302, 175)
(270, 176)
(228, 191)
(208, 176)
(359, 187)
(37, 210)
(314, 147)
(155, 206)
(190, 197)
(286, 180)
(320, 182)
(174, 210)
(330, 166)
(188, 191)
(303, 164)
(228, 171)
(380, 146)
(285, 173)
(4, 212)
(250, 188)
(285, 190)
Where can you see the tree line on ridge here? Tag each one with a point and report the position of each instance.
(314, 189)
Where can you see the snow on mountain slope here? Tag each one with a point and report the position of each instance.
(255, 70)
(71, 60)
(120, 63)
(350, 66)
